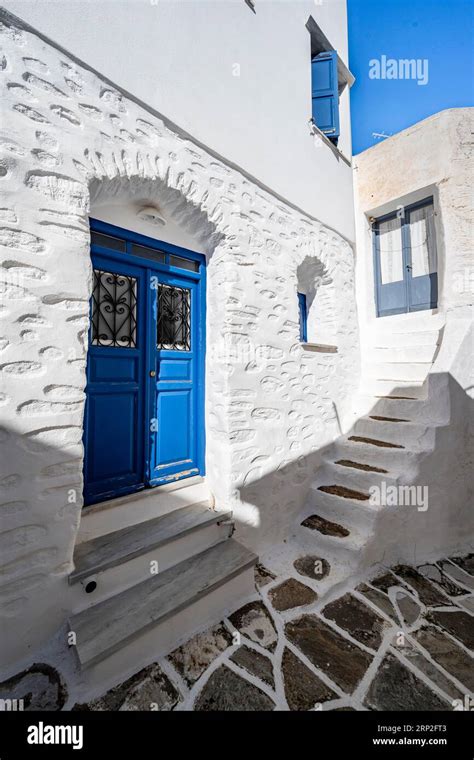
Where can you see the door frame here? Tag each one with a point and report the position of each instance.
(129, 259)
(406, 260)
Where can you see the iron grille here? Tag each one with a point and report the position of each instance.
(174, 318)
(114, 310)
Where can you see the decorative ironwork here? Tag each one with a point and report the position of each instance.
(114, 310)
(174, 318)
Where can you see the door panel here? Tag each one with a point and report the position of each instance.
(422, 262)
(175, 443)
(114, 414)
(112, 418)
(405, 261)
(390, 267)
(174, 415)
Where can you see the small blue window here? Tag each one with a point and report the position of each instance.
(303, 318)
(325, 94)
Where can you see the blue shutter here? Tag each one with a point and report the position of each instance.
(325, 93)
(303, 318)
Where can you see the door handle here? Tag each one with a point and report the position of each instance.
(409, 267)
(152, 373)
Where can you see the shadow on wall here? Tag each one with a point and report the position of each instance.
(434, 451)
(41, 494)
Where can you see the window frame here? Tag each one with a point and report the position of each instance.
(303, 317)
(402, 212)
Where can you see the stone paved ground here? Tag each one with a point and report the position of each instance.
(402, 641)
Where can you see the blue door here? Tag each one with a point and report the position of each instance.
(144, 416)
(405, 260)
(175, 378)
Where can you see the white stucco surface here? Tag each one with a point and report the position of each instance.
(431, 158)
(238, 81)
(66, 140)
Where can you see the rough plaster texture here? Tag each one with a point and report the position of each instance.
(433, 157)
(68, 139)
(240, 82)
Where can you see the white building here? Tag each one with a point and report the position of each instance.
(205, 351)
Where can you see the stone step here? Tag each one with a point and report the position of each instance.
(407, 372)
(414, 410)
(113, 515)
(403, 354)
(399, 389)
(354, 475)
(107, 551)
(344, 492)
(117, 622)
(334, 540)
(392, 339)
(406, 434)
(362, 449)
(382, 418)
(351, 513)
(414, 322)
(382, 444)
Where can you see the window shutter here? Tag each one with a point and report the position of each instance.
(325, 93)
(303, 317)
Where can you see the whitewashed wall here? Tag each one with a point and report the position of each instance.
(237, 81)
(66, 140)
(433, 157)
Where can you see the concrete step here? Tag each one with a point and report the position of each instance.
(353, 514)
(395, 339)
(339, 548)
(107, 565)
(411, 371)
(99, 554)
(399, 389)
(413, 410)
(365, 452)
(403, 354)
(416, 321)
(353, 476)
(121, 620)
(108, 516)
(408, 434)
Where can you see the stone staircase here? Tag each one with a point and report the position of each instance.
(149, 571)
(394, 428)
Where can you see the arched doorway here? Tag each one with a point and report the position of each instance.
(144, 415)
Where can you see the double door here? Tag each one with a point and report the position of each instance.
(145, 381)
(405, 260)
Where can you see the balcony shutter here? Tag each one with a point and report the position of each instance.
(325, 93)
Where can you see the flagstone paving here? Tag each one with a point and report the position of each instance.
(399, 641)
(402, 640)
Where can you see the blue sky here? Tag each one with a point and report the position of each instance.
(440, 31)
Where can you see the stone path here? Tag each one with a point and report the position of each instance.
(401, 641)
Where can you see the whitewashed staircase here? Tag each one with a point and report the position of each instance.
(394, 428)
(149, 571)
